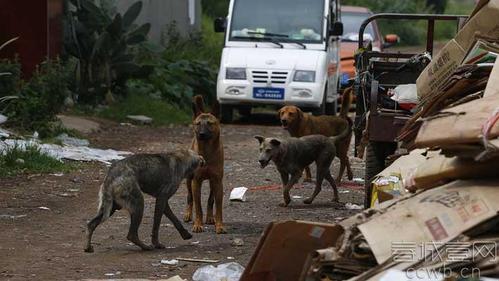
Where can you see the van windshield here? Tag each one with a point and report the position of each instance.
(280, 20)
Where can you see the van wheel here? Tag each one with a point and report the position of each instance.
(226, 114)
(244, 111)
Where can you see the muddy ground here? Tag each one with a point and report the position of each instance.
(42, 217)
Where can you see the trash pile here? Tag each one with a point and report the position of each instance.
(435, 211)
(71, 149)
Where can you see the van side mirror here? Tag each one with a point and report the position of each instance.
(220, 25)
(336, 29)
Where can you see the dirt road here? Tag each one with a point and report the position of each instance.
(42, 217)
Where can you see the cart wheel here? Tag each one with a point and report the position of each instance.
(376, 153)
(226, 113)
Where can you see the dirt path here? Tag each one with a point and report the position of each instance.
(47, 244)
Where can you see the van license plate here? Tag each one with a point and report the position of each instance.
(268, 93)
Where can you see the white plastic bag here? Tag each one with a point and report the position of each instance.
(231, 271)
(238, 194)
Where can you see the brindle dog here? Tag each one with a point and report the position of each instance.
(158, 175)
(292, 155)
(207, 143)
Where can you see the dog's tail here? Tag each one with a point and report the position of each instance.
(105, 202)
(346, 102)
(346, 133)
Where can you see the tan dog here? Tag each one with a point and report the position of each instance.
(207, 143)
(299, 124)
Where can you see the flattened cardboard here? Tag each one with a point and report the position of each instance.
(493, 83)
(439, 170)
(436, 215)
(485, 20)
(284, 248)
(459, 124)
(440, 69)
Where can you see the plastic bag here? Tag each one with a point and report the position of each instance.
(231, 271)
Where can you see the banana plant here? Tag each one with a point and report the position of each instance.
(3, 46)
(102, 44)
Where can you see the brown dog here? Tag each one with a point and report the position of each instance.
(206, 143)
(299, 124)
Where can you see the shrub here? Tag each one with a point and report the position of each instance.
(102, 43)
(40, 99)
(10, 77)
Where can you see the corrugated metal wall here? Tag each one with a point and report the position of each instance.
(38, 26)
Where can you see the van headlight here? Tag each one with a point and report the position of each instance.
(304, 76)
(235, 73)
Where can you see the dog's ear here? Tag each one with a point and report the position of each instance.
(279, 112)
(275, 142)
(299, 113)
(260, 139)
(197, 106)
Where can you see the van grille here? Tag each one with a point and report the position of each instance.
(274, 77)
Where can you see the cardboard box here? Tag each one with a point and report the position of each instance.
(485, 20)
(493, 84)
(284, 247)
(461, 124)
(434, 216)
(440, 170)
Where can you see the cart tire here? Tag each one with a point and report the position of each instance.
(376, 153)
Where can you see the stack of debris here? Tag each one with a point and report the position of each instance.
(435, 211)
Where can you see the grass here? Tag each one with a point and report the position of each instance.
(159, 110)
(33, 161)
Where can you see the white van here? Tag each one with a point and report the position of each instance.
(279, 52)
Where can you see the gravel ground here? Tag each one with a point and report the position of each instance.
(42, 217)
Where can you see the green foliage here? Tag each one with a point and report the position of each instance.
(102, 43)
(10, 77)
(139, 102)
(40, 99)
(414, 32)
(205, 45)
(186, 66)
(33, 161)
(215, 8)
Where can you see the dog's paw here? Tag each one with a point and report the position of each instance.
(187, 217)
(308, 201)
(197, 228)
(284, 204)
(158, 245)
(220, 229)
(89, 249)
(210, 220)
(147, 247)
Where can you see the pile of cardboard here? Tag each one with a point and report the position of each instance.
(435, 211)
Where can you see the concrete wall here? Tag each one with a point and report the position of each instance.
(161, 13)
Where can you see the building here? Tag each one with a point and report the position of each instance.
(38, 24)
(186, 14)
